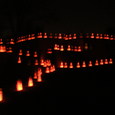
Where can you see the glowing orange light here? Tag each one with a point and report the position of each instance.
(62, 48)
(55, 47)
(50, 36)
(45, 35)
(111, 37)
(48, 63)
(54, 68)
(84, 64)
(2, 48)
(101, 62)
(70, 36)
(1, 41)
(60, 36)
(61, 65)
(42, 62)
(28, 53)
(92, 35)
(1, 95)
(101, 36)
(35, 54)
(36, 62)
(12, 41)
(9, 50)
(106, 61)
(78, 65)
(39, 79)
(96, 63)
(69, 48)
(79, 49)
(90, 64)
(86, 46)
(35, 75)
(66, 37)
(65, 65)
(30, 82)
(74, 36)
(47, 70)
(49, 51)
(110, 61)
(19, 60)
(51, 69)
(71, 65)
(19, 85)
(105, 36)
(39, 35)
(32, 36)
(20, 52)
(97, 36)
(75, 49)
(45, 64)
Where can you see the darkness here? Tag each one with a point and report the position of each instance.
(89, 90)
(66, 17)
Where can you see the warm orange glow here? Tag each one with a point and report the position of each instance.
(71, 65)
(70, 36)
(90, 63)
(19, 85)
(69, 48)
(110, 61)
(20, 52)
(79, 49)
(62, 48)
(9, 50)
(96, 63)
(65, 65)
(86, 46)
(45, 64)
(97, 36)
(87, 35)
(54, 68)
(36, 62)
(39, 79)
(111, 37)
(55, 47)
(92, 35)
(101, 36)
(35, 54)
(78, 65)
(105, 36)
(28, 53)
(75, 49)
(39, 35)
(84, 64)
(1, 95)
(19, 60)
(35, 75)
(30, 82)
(61, 65)
(48, 63)
(60, 36)
(74, 36)
(49, 51)
(2, 48)
(45, 35)
(12, 41)
(42, 62)
(66, 37)
(47, 70)
(106, 61)
(1, 41)
(101, 62)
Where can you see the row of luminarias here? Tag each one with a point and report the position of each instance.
(37, 77)
(6, 48)
(84, 64)
(65, 36)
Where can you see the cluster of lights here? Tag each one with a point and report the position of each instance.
(83, 64)
(65, 36)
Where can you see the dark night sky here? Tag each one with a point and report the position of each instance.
(70, 16)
